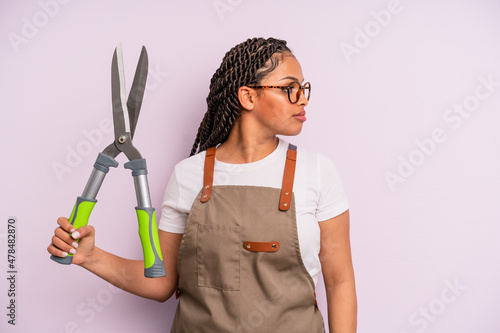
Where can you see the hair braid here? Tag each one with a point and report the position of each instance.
(245, 64)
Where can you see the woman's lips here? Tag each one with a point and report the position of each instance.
(300, 116)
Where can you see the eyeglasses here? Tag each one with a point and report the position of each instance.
(295, 90)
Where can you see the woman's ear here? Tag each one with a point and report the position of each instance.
(246, 96)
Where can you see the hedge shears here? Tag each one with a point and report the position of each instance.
(125, 115)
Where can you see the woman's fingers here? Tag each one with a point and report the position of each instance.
(85, 231)
(66, 240)
(60, 248)
(63, 235)
(62, 243)
(65, 225)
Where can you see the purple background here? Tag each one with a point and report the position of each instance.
(386, 75)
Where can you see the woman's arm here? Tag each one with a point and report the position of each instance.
(338, 274)
(123, 273)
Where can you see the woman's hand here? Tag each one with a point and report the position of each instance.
(123, 273)
(65, 238)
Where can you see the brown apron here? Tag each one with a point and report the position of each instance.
(239, 263)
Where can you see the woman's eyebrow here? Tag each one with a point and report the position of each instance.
(290, 78)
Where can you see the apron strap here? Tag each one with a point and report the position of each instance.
(208, 174)
(288, 175)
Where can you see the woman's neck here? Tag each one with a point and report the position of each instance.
(245, 145)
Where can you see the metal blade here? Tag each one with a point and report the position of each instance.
(120, 113)
(137, 91)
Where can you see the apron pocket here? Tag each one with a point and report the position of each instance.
(218, 256)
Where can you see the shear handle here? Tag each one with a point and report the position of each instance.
(148, 231)
(85, 203)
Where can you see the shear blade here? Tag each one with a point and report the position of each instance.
(118, 94)
(136, 94)
(126, 112)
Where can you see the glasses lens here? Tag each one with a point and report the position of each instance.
(307, 90)
(294, 92)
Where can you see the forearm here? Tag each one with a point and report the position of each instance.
(342, 307)
(128, 275)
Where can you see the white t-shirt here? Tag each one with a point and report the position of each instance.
(319, 194)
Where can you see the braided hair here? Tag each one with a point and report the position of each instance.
(247, 63)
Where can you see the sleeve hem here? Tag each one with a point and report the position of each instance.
(339, 209)
(171, 229)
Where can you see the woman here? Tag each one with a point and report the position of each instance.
(240, 248)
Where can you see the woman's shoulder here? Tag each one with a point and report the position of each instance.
(313, 158)
(191, 162)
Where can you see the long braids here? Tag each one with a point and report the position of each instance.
(245, 64)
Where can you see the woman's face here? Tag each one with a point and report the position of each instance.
(273, 110)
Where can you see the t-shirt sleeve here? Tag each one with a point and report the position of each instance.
(332, 197)
(172, 218)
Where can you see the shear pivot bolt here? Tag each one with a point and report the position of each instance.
(122, 139)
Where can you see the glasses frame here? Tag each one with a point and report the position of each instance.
(288, 88)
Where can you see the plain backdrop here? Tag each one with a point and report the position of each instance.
(405, 100)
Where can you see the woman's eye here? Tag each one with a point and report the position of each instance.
(294, 87)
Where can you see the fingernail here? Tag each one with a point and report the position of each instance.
(64, 254)
(72, 251)
(75, 245)
(75, 235)
(72, 230)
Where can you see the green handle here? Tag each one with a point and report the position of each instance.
(148, 232)
(79, 217)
